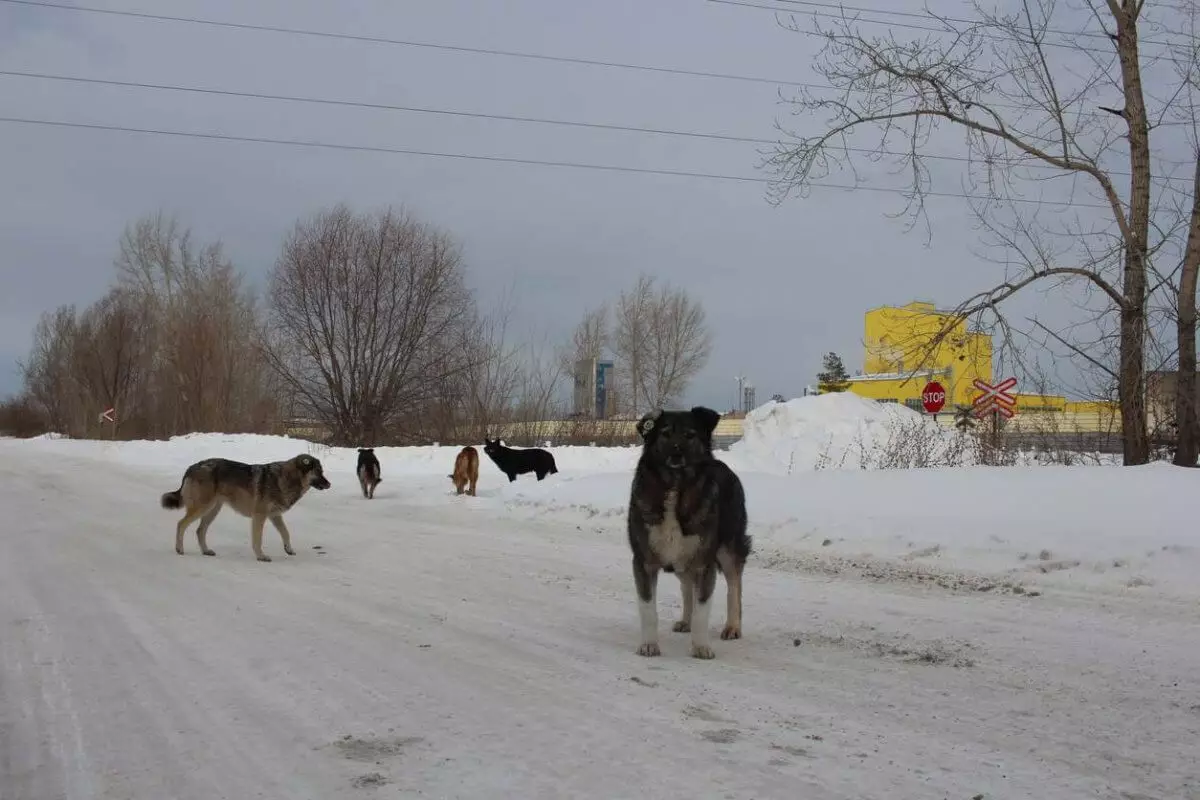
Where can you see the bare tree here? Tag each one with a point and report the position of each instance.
(631, 343)
(111, 351)
(491, 378)
(1024, 116)
(84, 363)
(662, 340)
(1187, 392)
(366, 316)
(209, 371)
(588, 340)
(47, 375)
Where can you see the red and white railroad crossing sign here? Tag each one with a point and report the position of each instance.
(933, 397)
(994, 398)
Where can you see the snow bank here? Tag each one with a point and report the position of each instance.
(843, 430)
(1120, 528)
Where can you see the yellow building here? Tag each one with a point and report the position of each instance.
(900, 339)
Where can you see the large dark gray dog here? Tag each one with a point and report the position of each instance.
(687, 515)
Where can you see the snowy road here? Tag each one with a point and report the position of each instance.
(447, 653)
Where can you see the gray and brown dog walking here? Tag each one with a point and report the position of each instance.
(259, 491)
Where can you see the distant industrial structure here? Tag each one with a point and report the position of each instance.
(595, 389)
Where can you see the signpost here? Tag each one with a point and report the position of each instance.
(933, 397)
(109, 415)
(996, 401)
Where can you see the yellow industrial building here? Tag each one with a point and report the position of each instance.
(900, 339)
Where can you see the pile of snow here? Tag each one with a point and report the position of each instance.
(841, 430)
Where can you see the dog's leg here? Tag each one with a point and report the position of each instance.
(277, 521)
(731, 568)
(645, 579)
(685, 623)
(471, 491)
(202, 529)
(256, 531)
(362, 484)
(706, 581)
(181, 528)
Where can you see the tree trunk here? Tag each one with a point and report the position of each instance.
(1131, 391)
(1187, 448)
(1132, 372)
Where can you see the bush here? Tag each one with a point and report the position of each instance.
(19, 417)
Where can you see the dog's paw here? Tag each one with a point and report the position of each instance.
(179, 550)
(209, 552)
(649, 649)
(289, 551)
(681, 627)
(702, 651)
(264, 557)
(732, 632)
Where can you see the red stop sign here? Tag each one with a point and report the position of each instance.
(933, 397)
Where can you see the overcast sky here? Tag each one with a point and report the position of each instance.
(780, 285)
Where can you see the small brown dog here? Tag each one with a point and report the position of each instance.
(466, 470)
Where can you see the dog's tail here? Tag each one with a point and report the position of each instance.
(173, 500)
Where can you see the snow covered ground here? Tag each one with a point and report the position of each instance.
(1025, 632)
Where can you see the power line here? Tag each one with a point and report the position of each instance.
(48, 4)
(399, 42)
(957, 20)
(308, 143)
(932, 29)
(474, 115)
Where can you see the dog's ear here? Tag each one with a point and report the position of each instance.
(647, 422)
(706, 420)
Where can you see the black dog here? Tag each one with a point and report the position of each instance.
(517, 462)
(687, 515)
(368, 471)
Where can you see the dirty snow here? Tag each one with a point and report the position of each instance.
(943, 633)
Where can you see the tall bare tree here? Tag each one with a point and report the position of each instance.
(209, 372)
(589, 339)
(662, 339)
(366, 316)
(1025, 111)
(47, 372)
(1187, 392)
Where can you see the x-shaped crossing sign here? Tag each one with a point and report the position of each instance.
(995, 398)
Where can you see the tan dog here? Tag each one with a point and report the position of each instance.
(257, 491)
(466, 469)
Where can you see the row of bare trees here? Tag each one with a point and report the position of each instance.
(1077, 131)
(660, 340)
(368, 330)
(170, 346)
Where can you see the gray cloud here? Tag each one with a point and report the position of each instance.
(781, 285)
